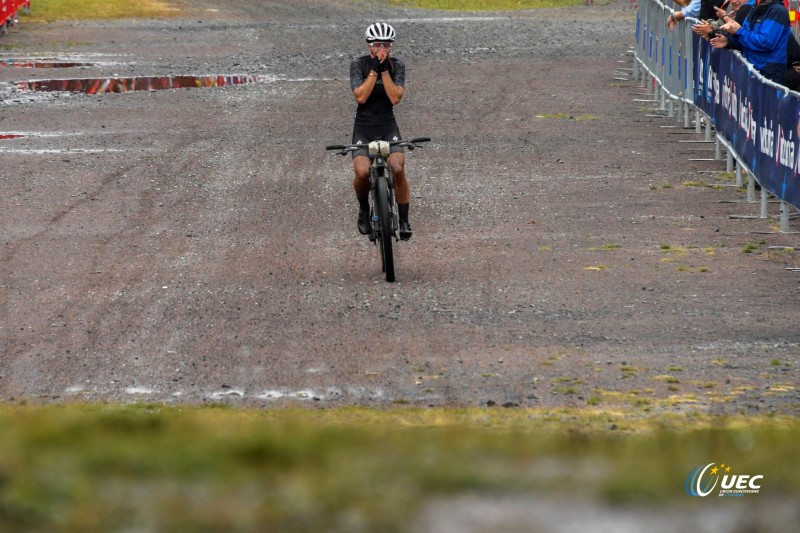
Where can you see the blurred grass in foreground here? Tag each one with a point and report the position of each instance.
(150, 467)
(52, 10)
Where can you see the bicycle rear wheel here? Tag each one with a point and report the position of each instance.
(385, 225)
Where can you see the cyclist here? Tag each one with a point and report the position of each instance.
(377, 81)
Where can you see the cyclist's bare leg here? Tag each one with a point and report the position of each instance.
(402, 191)
(361, 180)
(361, 186)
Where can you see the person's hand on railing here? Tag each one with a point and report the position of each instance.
(673, 19)
(719, 41)
(703, 29)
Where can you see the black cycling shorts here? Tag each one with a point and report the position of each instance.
(383, 132)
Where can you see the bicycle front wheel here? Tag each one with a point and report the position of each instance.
(385, 225)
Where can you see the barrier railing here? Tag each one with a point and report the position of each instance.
(9, 13)
(756, 121)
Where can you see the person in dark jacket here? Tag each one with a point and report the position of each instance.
(762, 38)
(793, 64)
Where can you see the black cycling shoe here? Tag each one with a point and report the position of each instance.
(405, 230)
(363, 223)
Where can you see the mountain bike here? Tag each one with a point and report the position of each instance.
(384, 221)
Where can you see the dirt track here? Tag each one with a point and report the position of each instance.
(200, 245)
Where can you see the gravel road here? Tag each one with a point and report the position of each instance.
(199, 245)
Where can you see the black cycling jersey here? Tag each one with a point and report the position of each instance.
(377, 109)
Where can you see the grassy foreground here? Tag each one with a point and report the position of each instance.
(101, 467)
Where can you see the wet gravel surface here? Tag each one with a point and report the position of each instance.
(199, 245)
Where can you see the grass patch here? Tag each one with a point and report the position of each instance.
(52, 10)
(485, 5)
(575, 381)
(667, 378)
(605, 248)
(594, 399)
(79, 468)
(750, 248)
(685, 268)
(550, 360)
(690, 183)
(781, 388)
(669, 249)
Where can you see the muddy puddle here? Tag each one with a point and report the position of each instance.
(142, 83)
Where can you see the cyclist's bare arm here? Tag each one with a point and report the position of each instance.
(393, 91)
(363, 91)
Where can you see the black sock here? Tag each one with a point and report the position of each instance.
(402, 210)
(363, 205)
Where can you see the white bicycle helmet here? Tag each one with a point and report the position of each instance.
(380, 31)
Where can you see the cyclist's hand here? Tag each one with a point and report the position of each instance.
(376, 65)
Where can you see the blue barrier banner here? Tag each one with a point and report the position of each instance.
(759, 120)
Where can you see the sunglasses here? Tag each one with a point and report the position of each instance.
(381, 45)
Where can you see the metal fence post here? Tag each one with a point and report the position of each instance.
(784, 217)
(687, 123)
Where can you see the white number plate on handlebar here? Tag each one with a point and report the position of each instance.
(379, 147)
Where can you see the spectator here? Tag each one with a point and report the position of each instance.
(708, 9)
(739, 8)
(762, 38)
(793, 64)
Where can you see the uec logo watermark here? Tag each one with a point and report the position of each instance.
(703, 480)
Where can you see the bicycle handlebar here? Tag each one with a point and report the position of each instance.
(410, 144)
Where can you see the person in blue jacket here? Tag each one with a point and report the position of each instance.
(762, 38)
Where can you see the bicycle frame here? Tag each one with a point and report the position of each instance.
(380, 169)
